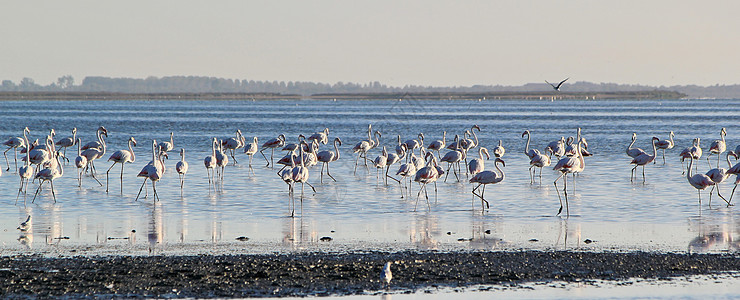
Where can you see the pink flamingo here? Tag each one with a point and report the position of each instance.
(24, 172)
(499, 150)
(642, 160)
(99, 143)
(326, 156)
(718, 175)
(67, 142)
(321, 137)
(425, 175)
(556, 148)
(121, 157)
(392, 159)
(210, 163)
(80, 163)
(167, 146)
(300, 175)
(634, 152)
(250, 149)
(485, 178)
(380, 163)
(231, 144)
(453, 157)
(734, 170)
(698, 181)
(272, 144)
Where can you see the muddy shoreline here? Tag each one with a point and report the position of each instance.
(318, 274)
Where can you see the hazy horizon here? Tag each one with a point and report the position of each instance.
(428, 43)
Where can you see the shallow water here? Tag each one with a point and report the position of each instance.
(607, 211)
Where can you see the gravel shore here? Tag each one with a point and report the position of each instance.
(318, 274)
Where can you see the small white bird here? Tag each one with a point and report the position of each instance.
(386, 274)
(26, 225)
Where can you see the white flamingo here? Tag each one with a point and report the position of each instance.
(380, 163)
(67, 142)
(556, 148)
(392, 159)
(438, 145)
(539, 160)
(80, 163)
(666, 144)
(413, 144)
(477, 165)
(499, 150)
(300, 175)
(453, 157)
(51, 172)
(529, 153)
(182, 168)
(634, 152)
(96, 152)
(406, 170)
(694, 151)
(167, 146)
(363, 147)
(250, 149)
(24, 172)
(152, 171)
(642, 160)
(210, 163)
(718, 146)
(121, 157)
(98, 143)
(321, 137)
(485, 178)
(734, 170)
(221, 161)
(718, 175)
(15, 143)
(326, 156)
(568, 165)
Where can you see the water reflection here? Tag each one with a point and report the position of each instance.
(422, 229)
(716, 233)
(155, 235)
(570, 234)
(298, 232)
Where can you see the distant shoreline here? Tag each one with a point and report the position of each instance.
(640, 95)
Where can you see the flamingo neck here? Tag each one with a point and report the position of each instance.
(526, 147)
(133, 155)
(336, 149)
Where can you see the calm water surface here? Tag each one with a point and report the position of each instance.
(358, 211)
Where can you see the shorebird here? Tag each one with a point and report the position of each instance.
(557, 87)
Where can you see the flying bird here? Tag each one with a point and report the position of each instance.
(557, 87)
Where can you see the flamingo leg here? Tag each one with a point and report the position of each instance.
(643, 175)
(429, 206)
(558, 191)
(106, 175)
(314, 189)
(482, 197)
(19, 192)
(142, 187)
(154, 188)
(37, 192)
(417, 197)
(122, 165)
(53, 195)
(449, 165)
(733, 193)
(720, 195)
(6, 158)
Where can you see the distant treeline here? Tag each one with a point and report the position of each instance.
(201, 84)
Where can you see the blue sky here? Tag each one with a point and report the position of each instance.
(432, 42)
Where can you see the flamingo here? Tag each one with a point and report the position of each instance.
(326, 156)
(293, 146)
(643, 159)
(718, 146)
(499, 150)
(96, 152)
(694, 151)
(287, 176)
(182, 168)
(24, 172)
(272, 144)
(485, 178)
(364, 146)
(557, 87)
(413, 143)
(380, 163)
(438, 145)
(566, 165)
(529, 153)
(392, 159)
(250, 149)
(300, 175)
(80, 162)
(321, 136)
(121, 157)
(698, 181)
(634, 152)
(665, 144)
(210, 162)
(15, 143)
(67, 142)
(234, 143)
(51, 172)
(309, 158)
(39, 155)
(468, 144)
(718, 175)
(477, 165)
(538, 160)
(736, 171)
(153, 170)
(167, 146)
(399, 150)
(425, 175)
(556, 148)
(99, 143)
(221, 160)
(406, 170)
(453, 157)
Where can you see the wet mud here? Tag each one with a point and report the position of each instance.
(319, 274)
